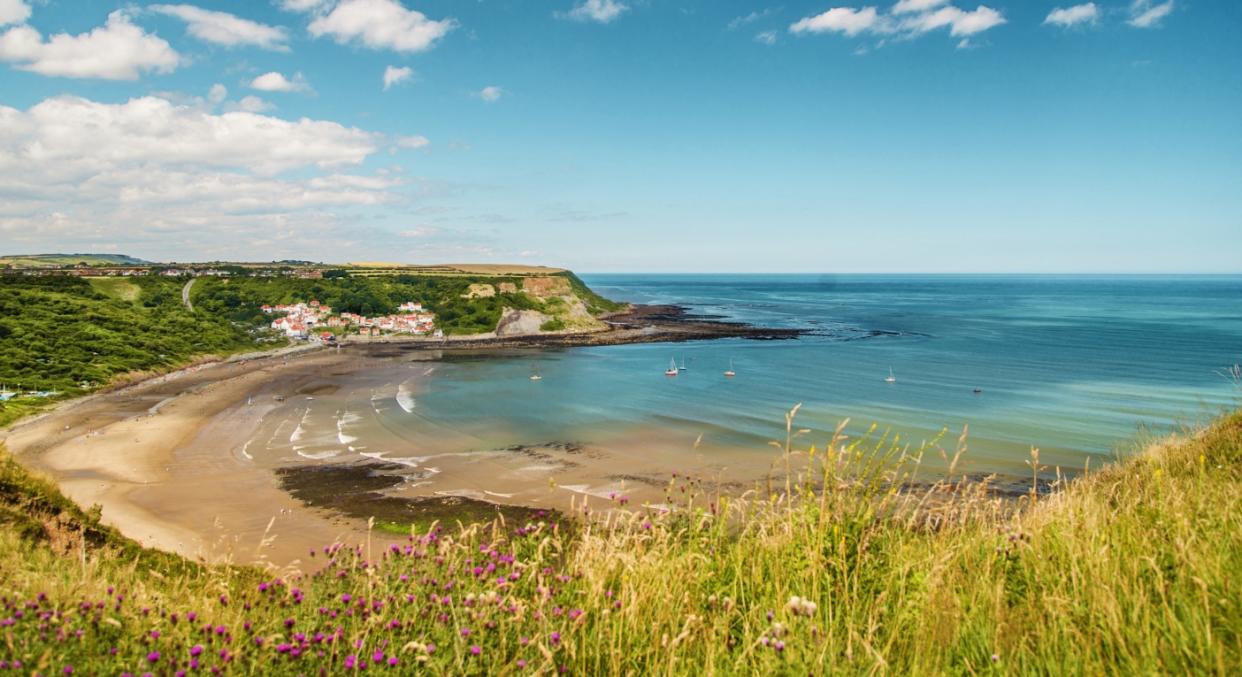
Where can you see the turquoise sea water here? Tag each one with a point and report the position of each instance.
(1077, 366)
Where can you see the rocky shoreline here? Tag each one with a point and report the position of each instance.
(635, 324)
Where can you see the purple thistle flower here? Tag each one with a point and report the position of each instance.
(475, 650)
(153, 657)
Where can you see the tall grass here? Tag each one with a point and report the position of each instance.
(847, 563)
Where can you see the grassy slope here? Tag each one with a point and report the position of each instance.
(39, 260)
(57, 332)
(1130, 571)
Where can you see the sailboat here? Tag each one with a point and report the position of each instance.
(683, 363)
(890, 378)
(730, 373)
(534, 376)
(672, 367)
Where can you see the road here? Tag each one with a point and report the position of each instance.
(185, 294)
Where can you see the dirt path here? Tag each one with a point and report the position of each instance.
(185, 294)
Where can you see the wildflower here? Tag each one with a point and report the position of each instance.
(555, 638)
(801, 606)
(196, 650)
(68, 670)
(153, 657)
(475, 649)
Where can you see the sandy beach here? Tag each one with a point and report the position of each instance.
(169, 460)
(163, 460)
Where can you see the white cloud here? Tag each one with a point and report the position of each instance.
(251, 104)
(1072, 16)
(599, 11)
(217, 93)
(839, 19)
(276, 82)
(13, 12)
(226, 29)
(970, 23)
(380, 24)
(913, 6)
(1145, 14)
(151, 171)
(490, 93)
(907, 19)
(118, 50)
(766, 37)
(394, 75)
(413, 142)
(77, 133)
(302, 5)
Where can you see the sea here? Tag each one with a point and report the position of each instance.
(1083, 368)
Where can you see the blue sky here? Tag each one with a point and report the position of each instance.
(656, 135)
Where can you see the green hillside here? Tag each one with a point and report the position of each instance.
(68, 335)
(46, 260)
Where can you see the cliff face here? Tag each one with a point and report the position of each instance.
(521, 322)
(546, 287)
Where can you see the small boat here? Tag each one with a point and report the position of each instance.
(978, 391)
(536, 377)
(730, 373)
(672, 368)
(683, 364)
(890, 378)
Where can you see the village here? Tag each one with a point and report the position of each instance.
(303, 321)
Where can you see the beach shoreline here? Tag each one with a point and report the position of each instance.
(164, 456)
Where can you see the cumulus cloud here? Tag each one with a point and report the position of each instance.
(148, 170)
(276, 82)
(118, 50)
(490, 94)
(906, 19)
(766, 37)
(226, 29)
(845, 20)
(599, 11)
(380, 24)
(394, 75)
(302, 5)
(250, 104)
(1073, 16)
(1147, 14)
(13, 12)
(914, 6)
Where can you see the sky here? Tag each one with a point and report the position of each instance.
(629, 135)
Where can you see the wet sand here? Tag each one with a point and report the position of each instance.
(163, 460)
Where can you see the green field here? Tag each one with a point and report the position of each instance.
(50, 260)
(119, 288)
